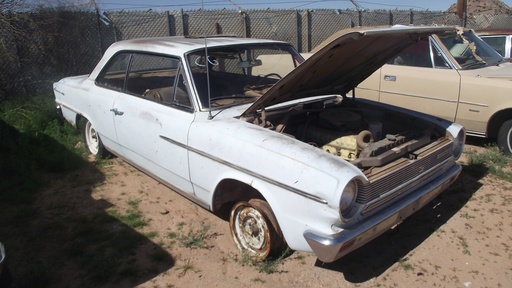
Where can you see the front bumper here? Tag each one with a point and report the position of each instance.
(329, 248)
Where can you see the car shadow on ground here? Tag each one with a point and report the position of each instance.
(59, 235)
(373, 259)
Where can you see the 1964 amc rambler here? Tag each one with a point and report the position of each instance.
(284, 155)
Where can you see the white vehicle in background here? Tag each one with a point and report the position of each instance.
(286, 160)
(500, 39)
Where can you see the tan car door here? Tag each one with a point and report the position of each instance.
(421, 79)
(429, 90)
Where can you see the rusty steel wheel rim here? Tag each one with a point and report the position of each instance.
(250, 230)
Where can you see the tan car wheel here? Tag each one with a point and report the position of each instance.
(505, 137)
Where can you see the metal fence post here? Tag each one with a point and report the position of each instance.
(298, 44)
(245, 29)
(183, 25)
(100, 39)
(309, 30)
(168, 23)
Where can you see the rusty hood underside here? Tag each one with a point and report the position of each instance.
(342, 62)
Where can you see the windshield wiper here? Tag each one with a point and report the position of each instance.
(473, 65)
(225, 106)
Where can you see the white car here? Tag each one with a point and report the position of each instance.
(500, 39)
(287, 159)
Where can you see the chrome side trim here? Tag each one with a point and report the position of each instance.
(474, 103)
(476, 133)
(67, 107)
(419, 96)
(246, 171)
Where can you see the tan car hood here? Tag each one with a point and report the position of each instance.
(503, 71)
(343, 61)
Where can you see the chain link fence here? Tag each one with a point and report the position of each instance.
(40, 48)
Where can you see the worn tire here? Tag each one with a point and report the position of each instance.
(92, 140)
(255, 230)
(505, 137)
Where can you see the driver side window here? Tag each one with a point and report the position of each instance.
(419, 55)
(158, 78)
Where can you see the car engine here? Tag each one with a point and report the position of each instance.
(360, 133)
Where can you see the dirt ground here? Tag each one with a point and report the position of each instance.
(461, 239)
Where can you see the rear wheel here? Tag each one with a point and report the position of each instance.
(255, 230)
(92, 140)
(505, 137)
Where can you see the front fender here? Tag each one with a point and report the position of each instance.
(301, 183)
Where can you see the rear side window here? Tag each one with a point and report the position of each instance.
(114, 75)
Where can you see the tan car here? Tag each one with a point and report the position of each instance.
(455, 76)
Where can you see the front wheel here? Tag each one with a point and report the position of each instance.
(505, 138)
(255, 229)
(92, 140)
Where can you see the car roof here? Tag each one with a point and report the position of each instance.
(173, 45)
(180, 45)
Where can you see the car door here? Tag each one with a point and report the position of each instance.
(421, 79)
(154, 116)
(109, 85)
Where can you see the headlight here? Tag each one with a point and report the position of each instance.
(348, 197)
(458, 144)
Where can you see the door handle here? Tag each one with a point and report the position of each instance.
(391, 78)
(116, 112)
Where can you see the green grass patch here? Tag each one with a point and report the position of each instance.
(132, 217)
(464, 244)
(194, 238)
(47, 214)
(186, 267)
(34, 140)
(489, 162)
(267, 266)
(404, 264)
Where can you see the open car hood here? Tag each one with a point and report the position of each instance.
(343, 61)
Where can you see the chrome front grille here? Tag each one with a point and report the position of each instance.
(402, 175)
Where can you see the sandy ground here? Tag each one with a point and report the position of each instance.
(461, 239)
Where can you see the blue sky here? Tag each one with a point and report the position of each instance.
(432, 5)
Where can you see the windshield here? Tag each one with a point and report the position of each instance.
(239, 74)
(470, 51)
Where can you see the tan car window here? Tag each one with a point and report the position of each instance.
(416, 55)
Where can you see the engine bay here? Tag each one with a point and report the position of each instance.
(361, 133)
